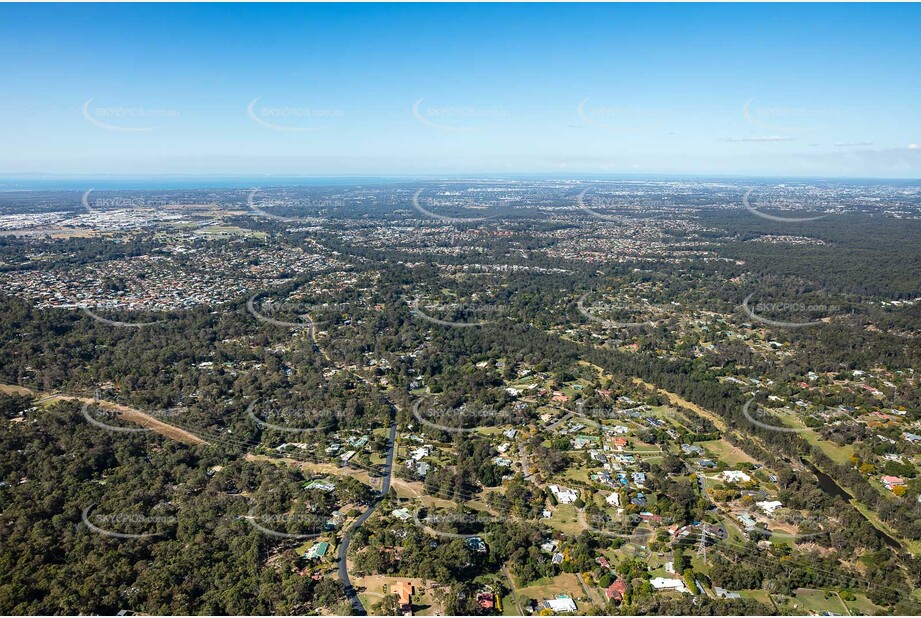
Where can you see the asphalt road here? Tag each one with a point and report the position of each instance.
(350, 593)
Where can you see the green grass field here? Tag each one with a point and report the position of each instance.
(723, 451)
(565, 519)
(816, 601)
(864, 606)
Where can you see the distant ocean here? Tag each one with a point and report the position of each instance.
(17, 182)
(81, 183)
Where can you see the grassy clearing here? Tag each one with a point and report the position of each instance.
(550, 587)
(757, 595)
(724, 451)
(565, 519)
(816, 601)
(864, 606)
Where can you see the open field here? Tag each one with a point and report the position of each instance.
(816, 601)
(565, 519)
(723, 451)
(864, 606)
(549, 587)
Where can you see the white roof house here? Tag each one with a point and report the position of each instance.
(666, 583)
(613, 499)
(419, 453)
(561, 604)
(769, 506)
(735, 476)
(563, 495)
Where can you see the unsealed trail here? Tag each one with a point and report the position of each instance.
(131, 415)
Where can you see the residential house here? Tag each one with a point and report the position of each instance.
(321, 485)
(563, 495)
(735, 476)
(486, 600)
(666, 583)
(419, 453)
(562, 604)
(404, 592)
(726, 594)
(747, 521)
(891, 482)
(616, 591)
(318, 551)
(476, 544)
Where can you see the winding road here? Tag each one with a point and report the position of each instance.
(350, 592)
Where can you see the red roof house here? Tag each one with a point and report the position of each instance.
(616, 591)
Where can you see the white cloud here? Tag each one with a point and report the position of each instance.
(768, 138)
(845, 144)
(914, 146)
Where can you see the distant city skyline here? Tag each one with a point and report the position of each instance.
(436, 90)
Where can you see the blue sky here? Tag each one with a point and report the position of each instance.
(755, 89)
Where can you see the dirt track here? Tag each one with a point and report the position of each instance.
(129, 414)
(678, 400)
